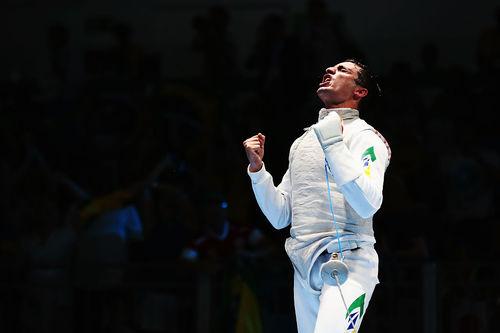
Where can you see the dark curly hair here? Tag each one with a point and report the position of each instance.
(368, 80)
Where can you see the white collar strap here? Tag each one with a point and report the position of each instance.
(344, 113)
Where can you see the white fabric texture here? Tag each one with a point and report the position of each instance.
(326, 312)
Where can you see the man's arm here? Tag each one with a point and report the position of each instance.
(364, 193)
(273, 201)
(358, 171)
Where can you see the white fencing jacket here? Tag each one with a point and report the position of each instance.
(301, 199)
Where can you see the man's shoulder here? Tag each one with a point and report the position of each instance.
(360, 131)
(355, 127)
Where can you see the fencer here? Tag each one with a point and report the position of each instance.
(356, 157)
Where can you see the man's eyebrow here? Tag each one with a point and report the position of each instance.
(343, 67)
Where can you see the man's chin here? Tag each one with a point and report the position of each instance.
(323, 90)
(322, 93)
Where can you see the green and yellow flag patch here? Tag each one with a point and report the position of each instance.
(367, 157)
(355, 313)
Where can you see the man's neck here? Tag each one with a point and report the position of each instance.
(347, 104)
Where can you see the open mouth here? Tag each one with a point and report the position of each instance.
(326, 81)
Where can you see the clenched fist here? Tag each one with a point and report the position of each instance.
(329, 130)
(254, 147)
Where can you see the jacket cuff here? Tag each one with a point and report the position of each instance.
(257, 176)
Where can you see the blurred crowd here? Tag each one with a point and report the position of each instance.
(132, 180)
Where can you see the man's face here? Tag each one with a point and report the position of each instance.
(338, 84)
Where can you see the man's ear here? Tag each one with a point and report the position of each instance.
(360, 92)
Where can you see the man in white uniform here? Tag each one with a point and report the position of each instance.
(356, 157)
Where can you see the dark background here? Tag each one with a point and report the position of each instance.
(125, 201)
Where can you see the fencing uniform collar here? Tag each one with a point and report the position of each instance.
(344, 113)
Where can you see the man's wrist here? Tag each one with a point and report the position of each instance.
(255, 168)
(259, 175)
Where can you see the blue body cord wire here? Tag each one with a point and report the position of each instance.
(331, 210)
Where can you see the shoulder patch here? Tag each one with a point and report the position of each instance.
(371, 153)
(367, 157)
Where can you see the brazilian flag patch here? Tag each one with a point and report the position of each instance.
(368, 157)
(355, 313)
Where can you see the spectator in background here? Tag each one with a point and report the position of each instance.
(228, 250)
(267, 57)
(213, 41)
(220, 240)
(49, 252)
(272, 60)
(430, 77)
(110, 222)
(127, 57)
(171, 225)
(57, 40)
(323, 38)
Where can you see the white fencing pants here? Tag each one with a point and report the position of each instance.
(320, 309)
